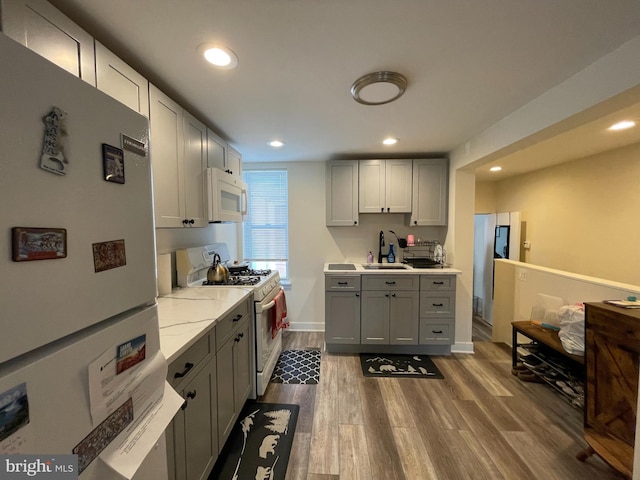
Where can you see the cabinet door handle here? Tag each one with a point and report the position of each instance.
(187, 366)
(357, 294)
(355, 223)
(386, 295)
(381, 209)
(388, 210)
(185, 221)
(436, 331)
(237, 317)
(438, 305)
(390, 283)
(415, 222)
(190, 395)
(393, 295)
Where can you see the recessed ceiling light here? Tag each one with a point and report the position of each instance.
(220, 56)
(378, 88)
(623, 125)
(276, 143)
(495, 169)
(390, 141)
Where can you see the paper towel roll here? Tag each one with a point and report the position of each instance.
(164, 274)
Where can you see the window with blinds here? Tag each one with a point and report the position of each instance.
(265, 232)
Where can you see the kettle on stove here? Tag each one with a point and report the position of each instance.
(217, 273)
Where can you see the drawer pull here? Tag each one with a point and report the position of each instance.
(343, 283)
(438, 283)
(237, 317)
(438, 305)
(187, 366)
(436, 331)
(390, 283)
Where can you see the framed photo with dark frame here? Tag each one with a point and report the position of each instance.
(38, 243)
(113, 163)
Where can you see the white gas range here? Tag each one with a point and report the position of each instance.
(192, 265)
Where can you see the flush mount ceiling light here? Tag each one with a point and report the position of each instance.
(378, 88)
(390, 141)
(495, 169)
(623, 125)
(276, 143)
(219, 56)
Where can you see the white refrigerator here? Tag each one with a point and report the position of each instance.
(78, 267)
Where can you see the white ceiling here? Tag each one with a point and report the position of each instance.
(468, 64)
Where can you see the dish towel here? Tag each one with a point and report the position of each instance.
(279, 315)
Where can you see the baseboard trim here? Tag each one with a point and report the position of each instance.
(306, 327)
(462, 347)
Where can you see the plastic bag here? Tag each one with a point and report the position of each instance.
(572, 328)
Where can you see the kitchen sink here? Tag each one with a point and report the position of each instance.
(383, 266)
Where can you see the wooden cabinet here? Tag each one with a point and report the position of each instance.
(342, 309)
(233, 345)
(612, 354)
(118, 80)
(41, 27)
(385, 186)
(389, 314)
(437, 309)
(178, 157)
(430, 192)
(342, 193)
(192, 437)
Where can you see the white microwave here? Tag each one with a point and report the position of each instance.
(226, 197)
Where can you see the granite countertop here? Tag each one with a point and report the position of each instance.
(358, 268)
(187, 314)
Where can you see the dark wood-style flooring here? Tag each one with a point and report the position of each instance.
(480, 422)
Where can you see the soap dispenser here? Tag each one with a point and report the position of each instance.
(370, 257)
(392, 256)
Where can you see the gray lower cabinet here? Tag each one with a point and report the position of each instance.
(234, 368)
(437, 309)
(389, 314)
(214, 378)
(192, 437)
(342, 309)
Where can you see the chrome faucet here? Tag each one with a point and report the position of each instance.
(380, 245)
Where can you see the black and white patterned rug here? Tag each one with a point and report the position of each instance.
(259, 444)
(399, 366)
(297, 366)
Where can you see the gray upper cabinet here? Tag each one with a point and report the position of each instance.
(385, 186)
(342, 193)
(118, 80)
(41, 27)
(430, 192)
(178, 156)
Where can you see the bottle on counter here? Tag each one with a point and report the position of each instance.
(392, 256)
(370, 257)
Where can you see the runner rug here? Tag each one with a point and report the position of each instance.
(399, 366)
(260, 443)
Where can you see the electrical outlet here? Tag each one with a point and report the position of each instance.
(522, 276)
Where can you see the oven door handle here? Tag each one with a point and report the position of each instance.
(265, 307)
